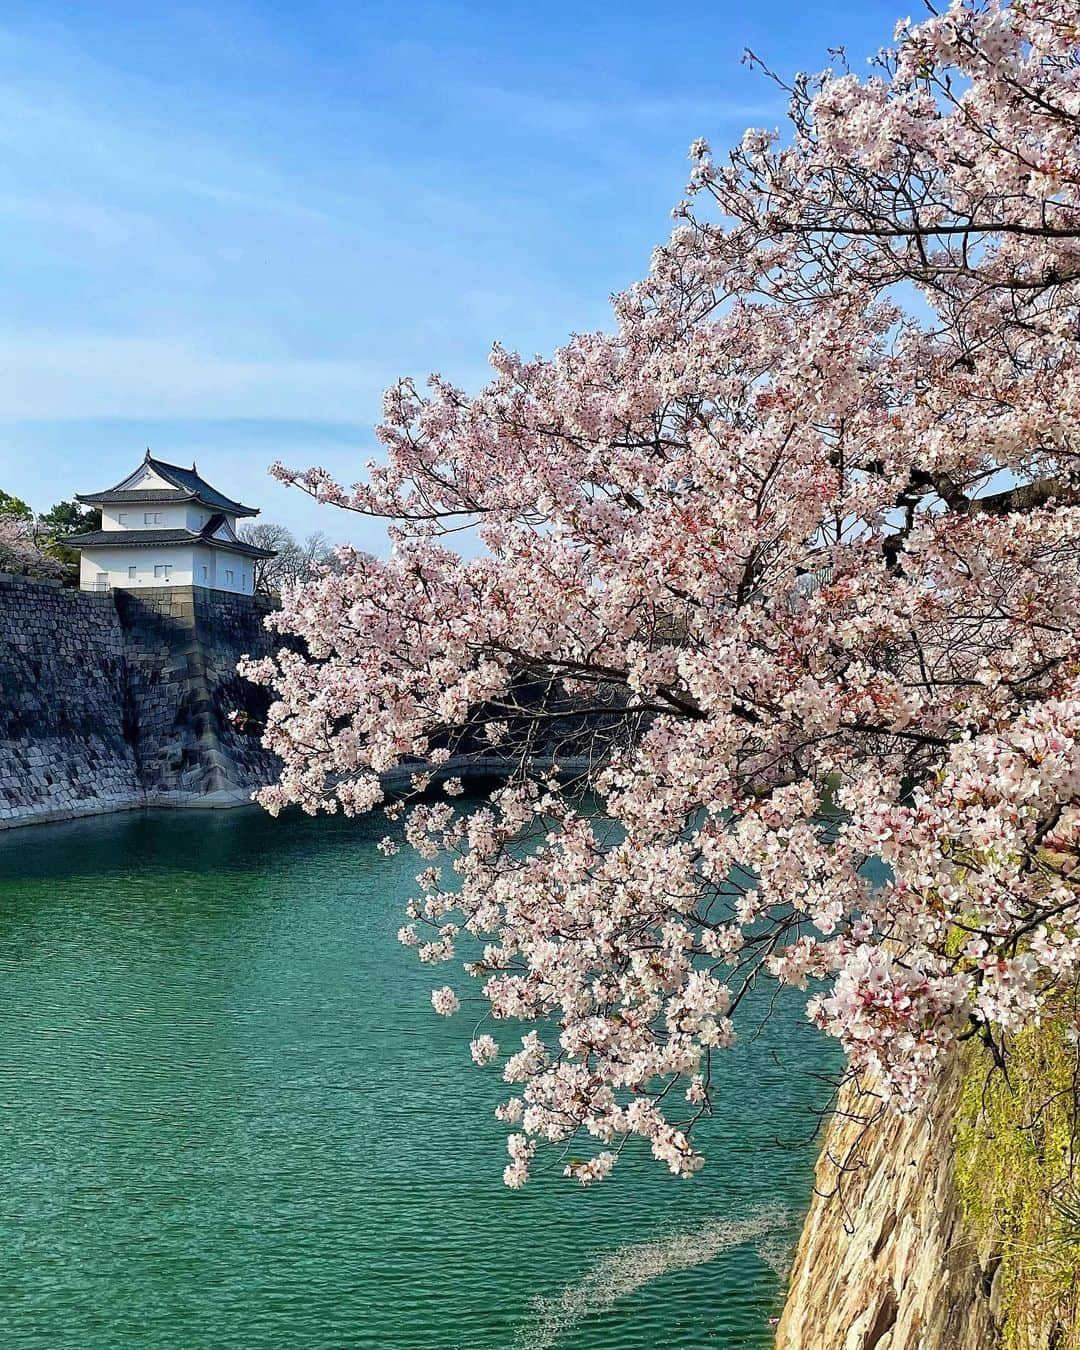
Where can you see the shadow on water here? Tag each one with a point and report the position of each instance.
(232, 840)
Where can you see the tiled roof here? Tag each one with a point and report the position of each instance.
(189, 481)
(152, 538)
(186, 486)
(136, 495)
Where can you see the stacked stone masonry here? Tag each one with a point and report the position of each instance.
(886, 1260)
(122, 700)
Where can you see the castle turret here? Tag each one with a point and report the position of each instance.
(166, 526)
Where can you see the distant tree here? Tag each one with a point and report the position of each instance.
(316, 556)
(266, 571)
(13, 507)
(70, 518)
(64, 519)
(23, 542)
(293, 561)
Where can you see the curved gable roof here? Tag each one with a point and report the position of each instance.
(187, 485)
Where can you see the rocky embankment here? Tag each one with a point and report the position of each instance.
(887, 1259)
(126, 699)
(954, 1228)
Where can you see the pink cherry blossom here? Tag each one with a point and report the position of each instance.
(23, 547)
(445, 1001)
(787, 567)
(483, 1050)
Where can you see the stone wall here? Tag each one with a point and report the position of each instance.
(122, 700)
(65, 741)
(181, 647)
(886, 1260)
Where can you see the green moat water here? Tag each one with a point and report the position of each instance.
(231, 1120)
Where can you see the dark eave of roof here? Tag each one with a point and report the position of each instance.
(134, 495)
(187, 486)
(153, 538)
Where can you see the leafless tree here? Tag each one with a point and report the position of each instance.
(294, 560)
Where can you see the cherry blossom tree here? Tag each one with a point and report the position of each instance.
(23, 545)
(811, 510)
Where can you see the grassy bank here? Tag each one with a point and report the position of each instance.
(1016, 1143)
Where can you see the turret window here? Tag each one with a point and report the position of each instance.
(151, 517)
(163, 571)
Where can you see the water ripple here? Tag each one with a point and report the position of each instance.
(230, 1121)
(619, 1273)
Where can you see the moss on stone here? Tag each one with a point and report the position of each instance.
(1019, 1184)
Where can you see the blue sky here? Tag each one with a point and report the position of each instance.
(227, 227)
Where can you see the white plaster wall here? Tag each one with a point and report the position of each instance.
(134, 515)
(192, 565)
(204, 561)
(182, 516)
(224, 563)
(116, 561)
